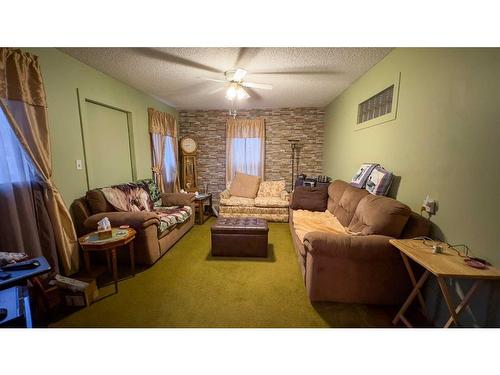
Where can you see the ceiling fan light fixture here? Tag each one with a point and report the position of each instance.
(235, 91)
(231, 92)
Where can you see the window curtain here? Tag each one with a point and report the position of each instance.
(22, 100)
(164, 149)
(245, 147)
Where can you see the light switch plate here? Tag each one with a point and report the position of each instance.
(79, 165)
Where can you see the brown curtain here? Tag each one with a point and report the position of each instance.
(22, 99)
(164, 149)
(245, 147)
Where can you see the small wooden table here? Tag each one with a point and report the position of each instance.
(446, 264)
(199, 202)
(90, 242)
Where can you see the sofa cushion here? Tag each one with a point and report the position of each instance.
(335, 191)
(348, 203)
(310, 198)
(97, 202)
(237, 201)
(171, 216)
(244, 185)
(270, 202)
(271, 188)
(380, 215)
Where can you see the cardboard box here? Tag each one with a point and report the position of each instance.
(78, 293)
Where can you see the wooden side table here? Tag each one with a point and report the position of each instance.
(90, 242)
(448, 264)
(200, 202)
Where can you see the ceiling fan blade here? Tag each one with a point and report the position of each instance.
(242, 93)
(263, 86)
(239, 74)
(213, 79)
(215, 91)
(301, 72)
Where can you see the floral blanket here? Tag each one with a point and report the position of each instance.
(171, 216)
(133, 196)
(141, 196)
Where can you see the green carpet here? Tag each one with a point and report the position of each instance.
(189, 288)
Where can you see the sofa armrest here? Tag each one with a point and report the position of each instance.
(366, 248)
(177, 199)
(285, 196)
(225, 194)
(137, 220)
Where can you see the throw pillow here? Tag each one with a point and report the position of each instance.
(245, 185)
(271, 188)
(379, 181)
(361, 176)
(310, 198)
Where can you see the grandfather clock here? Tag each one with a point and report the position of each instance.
(189, 174)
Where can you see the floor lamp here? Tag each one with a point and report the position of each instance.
(294, 143)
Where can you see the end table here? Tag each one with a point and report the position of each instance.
(200, 201)
(120, 237)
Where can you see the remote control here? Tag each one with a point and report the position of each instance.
(26, 265)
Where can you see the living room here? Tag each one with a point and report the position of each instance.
(249, 187)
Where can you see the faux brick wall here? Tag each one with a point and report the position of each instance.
(209, 129)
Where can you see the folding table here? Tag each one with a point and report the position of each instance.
(447, 264)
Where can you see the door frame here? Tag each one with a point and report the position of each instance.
(82, 100)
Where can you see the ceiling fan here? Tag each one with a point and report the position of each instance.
(235, 84)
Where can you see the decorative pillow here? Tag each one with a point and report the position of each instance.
(244, 185)
(271, 188)
(154, 192)
(379, 181)
(310, 198)
(361, 176)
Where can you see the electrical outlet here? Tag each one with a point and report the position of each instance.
(429, 205)
(79, 165)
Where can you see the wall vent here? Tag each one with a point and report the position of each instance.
(378, 105)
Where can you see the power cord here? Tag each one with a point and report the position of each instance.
(437, 248)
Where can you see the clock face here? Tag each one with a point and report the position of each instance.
(188, 145)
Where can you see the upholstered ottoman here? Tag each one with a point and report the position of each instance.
(239, 237)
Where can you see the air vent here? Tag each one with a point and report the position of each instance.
(378, 105)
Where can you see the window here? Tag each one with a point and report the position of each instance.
(245, 144)
(14, 165)
(246, 155)
(376, 106)
(169, 163)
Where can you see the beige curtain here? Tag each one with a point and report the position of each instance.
(245, 147)
(164, 149)
(22, 98)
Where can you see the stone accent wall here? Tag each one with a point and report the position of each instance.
(209, 129)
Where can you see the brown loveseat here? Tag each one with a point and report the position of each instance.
(362, 268)
(151, 241)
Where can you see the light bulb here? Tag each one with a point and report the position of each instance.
(231, 92)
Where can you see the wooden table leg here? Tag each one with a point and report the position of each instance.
(411, 297)
(86, 260)
(115, 270)
(108, 261)
(132, 256)
(464, 302)
(421, 300)
(198, 217)
(447, 299)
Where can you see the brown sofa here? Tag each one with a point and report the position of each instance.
(150, 243)
(362, 268)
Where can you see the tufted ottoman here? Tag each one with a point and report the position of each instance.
(239, 237)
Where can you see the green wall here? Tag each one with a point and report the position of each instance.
(444, 141)
(63, 75)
